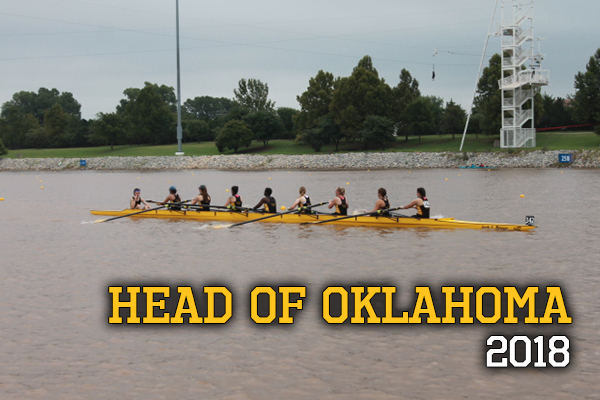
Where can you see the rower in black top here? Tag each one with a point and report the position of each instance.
(173, 197)
(235, 200)
(136, 201)
(421, 203)
(381, 204)
(302, 202)
(339, 202)
(203, 199)
(269, 203)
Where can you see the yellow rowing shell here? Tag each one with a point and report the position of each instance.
(293, 218)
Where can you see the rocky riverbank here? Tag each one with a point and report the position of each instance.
(341, 161)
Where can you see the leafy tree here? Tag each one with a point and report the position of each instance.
(197, 131)
(14, 126)
(253, 95)
(453, 119)
(404, 93)
(586, 104)
(377, 131)
(419, 117)
(3, 149)
(208, 108)
(331, 131)
(38, 103)
(556, 112)
(489, 98)
(233, 135)
(361, 94)
(149, 117)
(56, 121)
(287, 116)
(265, 125)
(37, 138)
(315, 138)
(108, 129)
(166, 93)
(316, 100)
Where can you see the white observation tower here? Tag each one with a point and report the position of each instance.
(522, 75)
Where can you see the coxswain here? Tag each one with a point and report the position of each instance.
(340, 202)
(421, 203)
(136, 201)
(203, 199)
(235, 200)
(381, 204)
(302, 202)
(268, 202)
(173, 197)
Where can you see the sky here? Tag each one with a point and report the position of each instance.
(96, 49)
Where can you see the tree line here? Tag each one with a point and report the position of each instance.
(361, 110)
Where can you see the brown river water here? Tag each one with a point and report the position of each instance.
(56, 266)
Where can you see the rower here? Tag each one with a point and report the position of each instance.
(136, 201)
(381, 204)
(421, 203)
(340, 202)
(203, 198)
(173, 197)
(268, 202)
(235, 200)
(302, 202)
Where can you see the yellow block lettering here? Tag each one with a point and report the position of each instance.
(185, 294)
(150, 304)
(360, 303)
(555, 295)
(465, 304)
(344, 305)
(424, 295)
(254, 304)
(497, 304)
(210, 304)
(389, 306)
(131, 304)
(285, 291)
(512, 297)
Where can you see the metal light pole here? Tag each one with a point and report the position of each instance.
(179, 128)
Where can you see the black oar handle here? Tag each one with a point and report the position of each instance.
(276, 215)
(350, 216)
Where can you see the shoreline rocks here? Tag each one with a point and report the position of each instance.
(338, 161)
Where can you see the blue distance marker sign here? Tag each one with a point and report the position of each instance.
(565, 158)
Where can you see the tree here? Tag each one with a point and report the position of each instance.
(314, 138)
(233, 135)
(316, 100)
(404, 93)
(377, 131)
(38, 103)
(453, 119)
(488, 99)
(107, 130)
(14, 126)
(361, 94)
(556, 112)
(253, 95)
(208, 108)
(586, 102)
(331, 131)
(287, 115)
(265, 125)
(197, 131)
(56, 121)
(419, 117)
(3, 149)
(149, 117)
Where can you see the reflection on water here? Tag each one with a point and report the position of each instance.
(55, 270)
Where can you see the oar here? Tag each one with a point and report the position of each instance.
(128, 215)
(277, 214)
(350, 216)
(137, 212)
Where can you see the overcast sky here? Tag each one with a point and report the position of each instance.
(97, 48)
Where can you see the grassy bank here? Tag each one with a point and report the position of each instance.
(545, 140)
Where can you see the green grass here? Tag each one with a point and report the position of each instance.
(545, 140)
